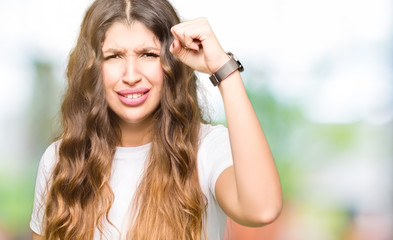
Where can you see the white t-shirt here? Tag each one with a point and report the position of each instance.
(214, 156)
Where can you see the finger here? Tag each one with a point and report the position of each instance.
(175, 47)
(187, 39)
(178, 50)
(189, 57)
(190, 43)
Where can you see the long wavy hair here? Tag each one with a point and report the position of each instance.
(169, 203)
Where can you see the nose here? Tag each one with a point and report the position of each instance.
(131, 73)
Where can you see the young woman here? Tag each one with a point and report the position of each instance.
(135, 160)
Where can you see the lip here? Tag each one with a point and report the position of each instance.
(133, 101)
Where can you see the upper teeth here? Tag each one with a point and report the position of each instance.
(133, 96)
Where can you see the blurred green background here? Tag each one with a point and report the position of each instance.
(320, 77)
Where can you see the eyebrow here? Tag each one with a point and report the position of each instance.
(138, 50)
(114, 50)
(147, 49)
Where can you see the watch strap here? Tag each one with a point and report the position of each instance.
(227, 69)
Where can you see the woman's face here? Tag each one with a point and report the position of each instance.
(132, 72)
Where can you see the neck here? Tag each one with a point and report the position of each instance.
(136, 134)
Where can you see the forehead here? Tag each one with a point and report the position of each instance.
(129, 36)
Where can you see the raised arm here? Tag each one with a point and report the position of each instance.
(249, 191)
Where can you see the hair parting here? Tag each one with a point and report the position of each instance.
(128, 10)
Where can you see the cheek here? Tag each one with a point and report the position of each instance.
(155, 74)
(110, 74)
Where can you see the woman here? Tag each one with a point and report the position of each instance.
(134, 160)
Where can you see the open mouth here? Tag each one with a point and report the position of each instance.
(133, 93)
(133, 97)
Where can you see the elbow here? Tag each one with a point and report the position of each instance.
(269, 216)
(265, 216)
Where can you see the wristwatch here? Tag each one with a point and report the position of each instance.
(227, 69)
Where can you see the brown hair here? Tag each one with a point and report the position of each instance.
(169, 203)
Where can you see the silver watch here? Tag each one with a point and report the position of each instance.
(227, 69)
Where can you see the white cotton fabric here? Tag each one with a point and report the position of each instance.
(214, 156)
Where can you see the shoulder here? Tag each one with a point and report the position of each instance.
(214, 154)
(45, 168)
(49, 158)
(209, 132)
(52, 150)
(214, 138)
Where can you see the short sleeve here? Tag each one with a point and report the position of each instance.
(45, 168)
(214, 154)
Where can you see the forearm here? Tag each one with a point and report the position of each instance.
(257, 181)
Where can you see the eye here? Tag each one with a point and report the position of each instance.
(150, 55)
(112, 56)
